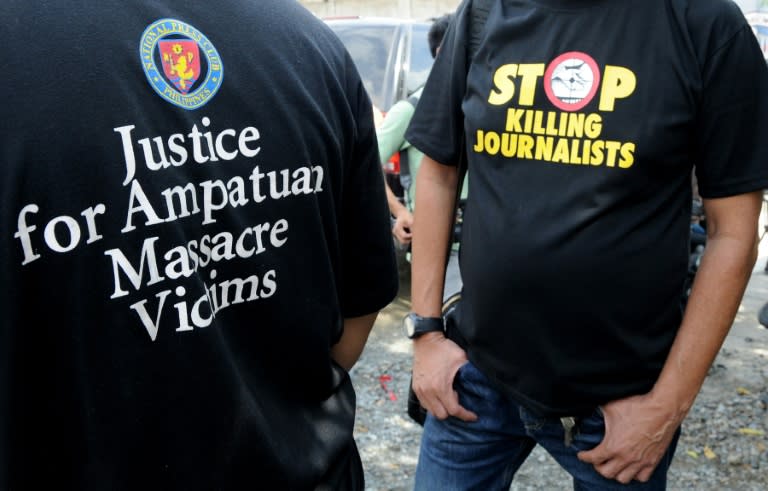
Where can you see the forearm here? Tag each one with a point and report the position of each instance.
(349, 348)
(717, 291)
(436, 359)
(394, 204)
(433, 218)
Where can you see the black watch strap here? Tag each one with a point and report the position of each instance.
(416, 325)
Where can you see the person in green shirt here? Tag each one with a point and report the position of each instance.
(391, 137)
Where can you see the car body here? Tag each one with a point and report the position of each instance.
(392, 55)
(393, 59)
(759, 23)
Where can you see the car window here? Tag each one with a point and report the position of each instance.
(421, 58)
(369, 47)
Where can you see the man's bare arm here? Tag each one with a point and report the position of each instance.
(435, 359)
(434, 203)
(639, 429)
(349, 348)
(403, 218)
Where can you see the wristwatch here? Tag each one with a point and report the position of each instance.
(416, 325)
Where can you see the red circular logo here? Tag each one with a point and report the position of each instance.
(571, 80)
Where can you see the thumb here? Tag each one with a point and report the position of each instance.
(464, 414)
(456, 410)
(596, 456)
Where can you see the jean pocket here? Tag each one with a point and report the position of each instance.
(460, 378)
(472, 383)
(590, 431)
(469, 375)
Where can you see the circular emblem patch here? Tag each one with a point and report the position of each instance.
(571, 81)
(181, 63)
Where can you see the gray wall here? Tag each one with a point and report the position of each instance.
(422, 9)
(752, 5)
(416, 9)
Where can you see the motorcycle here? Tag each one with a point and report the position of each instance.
(698, 241)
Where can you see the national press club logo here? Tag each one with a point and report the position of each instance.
(181, 63)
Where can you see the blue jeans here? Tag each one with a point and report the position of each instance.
(484, 455)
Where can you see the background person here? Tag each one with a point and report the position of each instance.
(194, 244)
(391, 138)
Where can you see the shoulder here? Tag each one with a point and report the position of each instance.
(710, 10)
(309, 46)
(292, 26)
(711, 24)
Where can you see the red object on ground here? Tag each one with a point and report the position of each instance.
(383, 379)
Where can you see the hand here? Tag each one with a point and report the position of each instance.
(435, 363)
(638, 431)
(402, 227)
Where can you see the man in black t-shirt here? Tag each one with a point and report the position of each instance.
(583, 121)
(194, 243)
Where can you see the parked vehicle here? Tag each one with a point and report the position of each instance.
(393, 58)
(762, 315)
(698, 241)
(392, 55)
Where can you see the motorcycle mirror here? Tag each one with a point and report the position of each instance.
(762, 315)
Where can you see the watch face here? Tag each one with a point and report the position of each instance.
(409, 325)
(416, 325)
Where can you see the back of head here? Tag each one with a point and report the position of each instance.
(437, 32)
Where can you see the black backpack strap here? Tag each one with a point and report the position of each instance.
(405, 164)
(478, 16)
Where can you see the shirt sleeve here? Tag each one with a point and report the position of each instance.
(391, 133)
(730, 142)
(369, 273)
(437, 127)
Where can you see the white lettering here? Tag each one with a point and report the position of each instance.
(23, 234)
(248, 135)
(50, 234)
(143, 205)
(151, 326)
(121, 263)
(90, 219)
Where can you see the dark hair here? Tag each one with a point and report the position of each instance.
(437, 31)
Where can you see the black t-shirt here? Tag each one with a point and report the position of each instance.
(584, 120)
(191, 205)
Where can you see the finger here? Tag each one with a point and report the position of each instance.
(596, 456)
(432, 400)
(438, 411)
(626, 475)
(463, 414)
(429, 402)
(457, 410)
(644, 475)
(610, 469)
